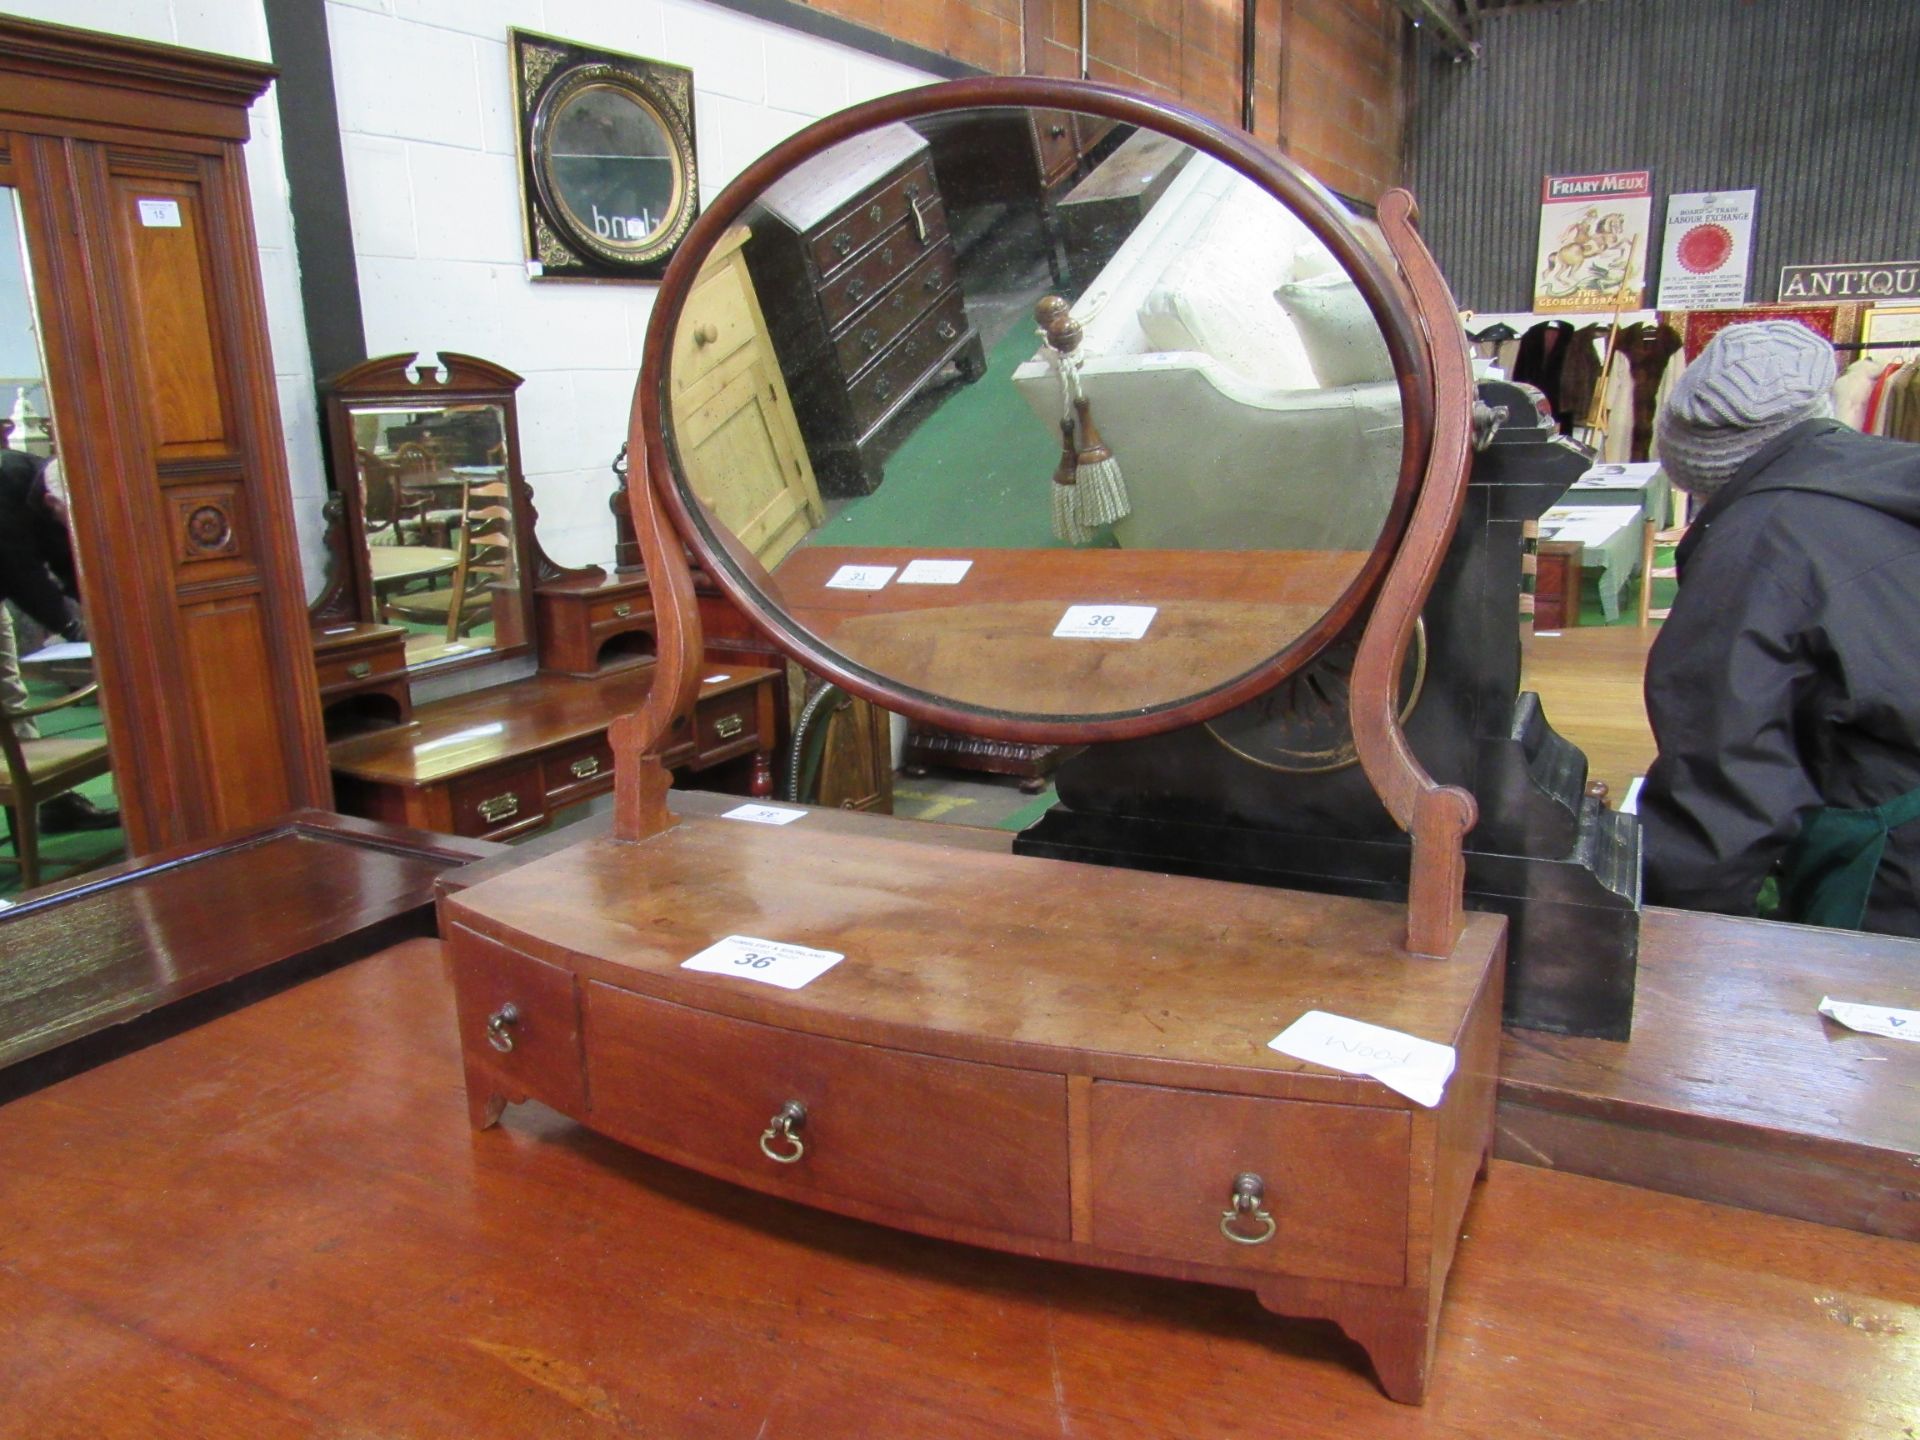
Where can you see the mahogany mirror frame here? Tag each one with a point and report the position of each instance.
(389, 380)
(1418, 321)
(1292, 186)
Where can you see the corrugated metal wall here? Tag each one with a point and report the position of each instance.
(1815, 103)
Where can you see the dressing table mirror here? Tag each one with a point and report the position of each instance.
(1077, 457)
(433, 527)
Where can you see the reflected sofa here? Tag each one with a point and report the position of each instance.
(1237, 375)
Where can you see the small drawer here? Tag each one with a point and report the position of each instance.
(1055, 143)
(863, 341)
(851, 291)
(895, 375)
(717, 321)
(1334, 1181)
(912, 198)
(362, 667)
(519, 1022)
(633, 610)
(728, 723)
(972, 1144)
(499, 803)
(575, 772)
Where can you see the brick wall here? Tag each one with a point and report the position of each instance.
(1328, 79)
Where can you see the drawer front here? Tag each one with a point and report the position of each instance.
(855, 228)
(575, 772)
(615, 609)
(360, 667)
(843, 297)
(499, 803)
(1335, 1181)
(909, 1134)
(1055, 143)
(729, 722)
(880, 322)
(519, 1022)
(899, 371)
(717, 321)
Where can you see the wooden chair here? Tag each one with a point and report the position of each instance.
(483, 549)
(39, 770)
(1652, 539)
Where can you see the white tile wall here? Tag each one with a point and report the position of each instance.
(432, 179)
(425, 110)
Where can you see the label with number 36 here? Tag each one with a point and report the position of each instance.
(771, 962)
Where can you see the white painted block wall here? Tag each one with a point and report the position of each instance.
(239, 28)
(424, 100)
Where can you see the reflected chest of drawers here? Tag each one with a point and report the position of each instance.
(853, 262)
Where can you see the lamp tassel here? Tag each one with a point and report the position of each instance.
(1066, 520)
(1099, 491)
(1088, 492)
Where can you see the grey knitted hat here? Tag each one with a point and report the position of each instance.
(1751, 383)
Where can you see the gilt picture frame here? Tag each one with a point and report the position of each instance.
(609, 178)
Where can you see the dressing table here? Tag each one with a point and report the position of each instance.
(438, 570)
(1038, 1056)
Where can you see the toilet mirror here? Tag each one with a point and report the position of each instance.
(436, 529)
(1047, 421)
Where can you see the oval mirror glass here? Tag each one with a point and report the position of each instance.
(1038, 416)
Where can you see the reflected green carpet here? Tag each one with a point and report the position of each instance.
(58, 853)
(975, 473)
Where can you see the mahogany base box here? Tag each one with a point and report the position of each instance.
(1077, 1070)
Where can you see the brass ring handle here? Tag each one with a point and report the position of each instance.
(706, 334)
(499, 1027)
(1248, 1190)
(856, 289)
(843, 242)
(782, 1129)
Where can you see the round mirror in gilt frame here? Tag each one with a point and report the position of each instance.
(1038, 409)
(608, 149)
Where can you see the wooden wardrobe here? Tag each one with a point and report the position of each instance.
(127, 161)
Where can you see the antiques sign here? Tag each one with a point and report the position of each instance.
(1705, 250)
(1896, 279)
(1593, 242)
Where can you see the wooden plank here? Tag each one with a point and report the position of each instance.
(307, 1238)
(1733, 1087)
(90, 958)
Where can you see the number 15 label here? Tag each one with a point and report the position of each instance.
(1105, 622)
(771, 962)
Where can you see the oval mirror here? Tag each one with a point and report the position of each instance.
(1038, 422)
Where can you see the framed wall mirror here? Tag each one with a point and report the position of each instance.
(1111, 439)
(609, 183)
(434, 525)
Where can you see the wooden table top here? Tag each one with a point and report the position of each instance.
(281, 1225)
(1114, 973)
(988, 640)
(1733, 1085)
(455, 737)
(102, 951)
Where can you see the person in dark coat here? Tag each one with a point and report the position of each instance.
(36, 553)
(37, 573)
(1784, 689)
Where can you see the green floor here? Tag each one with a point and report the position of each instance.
(976, 472)
(80, 847)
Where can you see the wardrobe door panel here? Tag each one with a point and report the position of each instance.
(161, 228)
